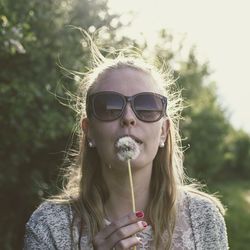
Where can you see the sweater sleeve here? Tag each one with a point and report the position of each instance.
(49, 227)
(208, 224)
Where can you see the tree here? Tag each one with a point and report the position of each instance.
(237, 154)
(36, 36)
(205, 124)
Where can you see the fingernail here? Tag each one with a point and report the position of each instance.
(139, 214)
(144, 223)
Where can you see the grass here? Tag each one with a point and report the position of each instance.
(235, 195)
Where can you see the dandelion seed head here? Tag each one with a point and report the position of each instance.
(127, 148)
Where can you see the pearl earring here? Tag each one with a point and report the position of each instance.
(91, 145)
(162, 144)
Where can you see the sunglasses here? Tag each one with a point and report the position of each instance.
(109, 105)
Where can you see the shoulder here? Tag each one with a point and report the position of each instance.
(49, 224)
(207, 221)
(202, 204)
(52, 214)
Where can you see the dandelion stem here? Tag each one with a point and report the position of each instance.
(132, 190)
(131, 186)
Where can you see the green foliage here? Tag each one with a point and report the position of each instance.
(205, 128)
(235, 195)
(36, 36)
(205, 124)
(237, 154)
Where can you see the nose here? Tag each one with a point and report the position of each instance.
(128, 118)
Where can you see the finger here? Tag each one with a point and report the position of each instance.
(128, 243)
(125, 232)
(124, 221)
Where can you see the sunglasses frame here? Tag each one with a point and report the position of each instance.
(126, 99)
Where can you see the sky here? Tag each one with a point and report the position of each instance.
(220, 30)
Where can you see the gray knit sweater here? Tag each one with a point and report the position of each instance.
(49, 228)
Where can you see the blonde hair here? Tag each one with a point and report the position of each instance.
(85, 188)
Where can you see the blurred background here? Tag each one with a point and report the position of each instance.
(36, 37)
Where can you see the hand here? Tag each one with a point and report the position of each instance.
(120, 233)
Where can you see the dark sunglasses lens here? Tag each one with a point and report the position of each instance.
(108, 106)
(148, 107)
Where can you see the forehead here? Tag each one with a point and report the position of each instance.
(126, 81)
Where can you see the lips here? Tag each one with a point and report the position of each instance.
(137, 140)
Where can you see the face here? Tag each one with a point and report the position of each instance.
(104, 134)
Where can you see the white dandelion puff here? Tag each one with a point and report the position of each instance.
(127, 148)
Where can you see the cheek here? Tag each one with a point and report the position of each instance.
(155, 133)
(103, 136)
(153, 139)
(102, 130)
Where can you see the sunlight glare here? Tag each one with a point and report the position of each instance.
(220, 31)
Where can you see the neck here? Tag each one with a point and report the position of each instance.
(119, 203)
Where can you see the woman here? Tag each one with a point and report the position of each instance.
(127, 98)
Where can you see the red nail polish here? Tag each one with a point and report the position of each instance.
(144, 223)
(139, 214)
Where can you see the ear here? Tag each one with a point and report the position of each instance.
(164, 130)
(85, 125)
